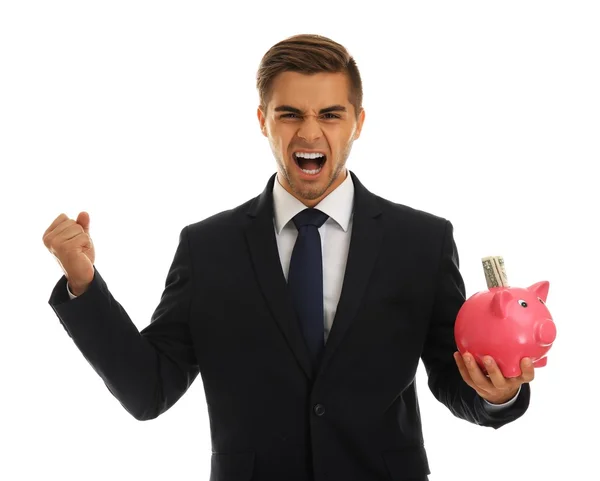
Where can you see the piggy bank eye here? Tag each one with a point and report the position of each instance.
(540, 300)
(523, 303)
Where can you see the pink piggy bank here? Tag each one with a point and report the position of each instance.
(507, 323)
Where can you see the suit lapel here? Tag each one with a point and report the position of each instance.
(262, 243)
(365, 240)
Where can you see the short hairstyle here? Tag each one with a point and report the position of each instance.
(307, 54)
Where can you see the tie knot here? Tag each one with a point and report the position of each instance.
(310, 217)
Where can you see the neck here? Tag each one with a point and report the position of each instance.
(313, 202)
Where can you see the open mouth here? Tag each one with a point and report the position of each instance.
(310, 166)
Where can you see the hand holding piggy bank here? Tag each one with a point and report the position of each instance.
(508, 324)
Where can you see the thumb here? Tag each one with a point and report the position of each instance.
(83, 219)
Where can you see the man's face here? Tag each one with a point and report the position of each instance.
(310, 113)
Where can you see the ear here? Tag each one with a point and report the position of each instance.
(261, 120)
(359, 124)
(540, 289)
(500, 303)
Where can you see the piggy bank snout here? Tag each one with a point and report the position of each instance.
(545, 332)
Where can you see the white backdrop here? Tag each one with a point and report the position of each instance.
(144, 115)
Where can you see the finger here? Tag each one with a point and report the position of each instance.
(63, 234)
(464, 372)
(527, 370)
(69, 232)
(83, 219)
(60, 228)
(79, 240)
(482, 382)
(61, 218)
(496, 376)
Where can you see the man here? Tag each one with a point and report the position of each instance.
(306, 309)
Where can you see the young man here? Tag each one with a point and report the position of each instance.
(306, 309)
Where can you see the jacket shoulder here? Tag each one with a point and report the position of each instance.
(403, 213)
(221, 223)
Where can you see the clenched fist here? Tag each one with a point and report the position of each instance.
(70, 242)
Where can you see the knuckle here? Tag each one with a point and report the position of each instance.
(49, 240)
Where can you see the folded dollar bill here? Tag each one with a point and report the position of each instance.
(495, 275)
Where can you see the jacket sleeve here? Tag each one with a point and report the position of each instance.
(146, 371)
(444, 379)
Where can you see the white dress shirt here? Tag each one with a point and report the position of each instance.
(335, 242)
(334, 233)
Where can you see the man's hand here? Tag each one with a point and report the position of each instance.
(70, 243)
(494, 387)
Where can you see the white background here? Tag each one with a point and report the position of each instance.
(144, 115)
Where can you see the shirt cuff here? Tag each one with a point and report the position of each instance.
(71, 295)
(499, 407)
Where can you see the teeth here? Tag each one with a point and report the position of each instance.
(312, 172)
(311, 155)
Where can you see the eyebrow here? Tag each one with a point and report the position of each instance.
(289, 108)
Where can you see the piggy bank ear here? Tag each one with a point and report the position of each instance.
(500, 303)
(540, 289)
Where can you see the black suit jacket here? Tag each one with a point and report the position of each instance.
(226, 313)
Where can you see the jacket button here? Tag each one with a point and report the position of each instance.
(319, 409)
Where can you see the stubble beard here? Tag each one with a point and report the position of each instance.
(316, 191)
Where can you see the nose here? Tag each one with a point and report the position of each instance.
(545, 332)
(310, 129)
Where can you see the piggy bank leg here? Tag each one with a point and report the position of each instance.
(540, 362)
(510, 368)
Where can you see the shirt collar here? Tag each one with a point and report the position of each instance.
(338, 205)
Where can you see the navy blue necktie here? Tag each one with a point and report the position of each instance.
(305, 280)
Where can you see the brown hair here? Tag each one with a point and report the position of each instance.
(307, 54)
